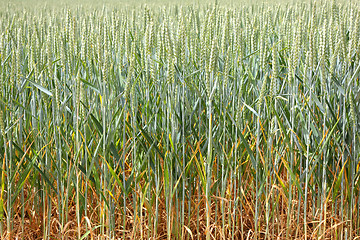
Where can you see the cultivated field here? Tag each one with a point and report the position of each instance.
(185, 121)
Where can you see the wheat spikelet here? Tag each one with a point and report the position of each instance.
(262, 93)
(275, 73)
(211, 67)
(2, 124)
(352, 110)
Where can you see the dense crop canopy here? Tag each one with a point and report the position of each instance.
(186, 123)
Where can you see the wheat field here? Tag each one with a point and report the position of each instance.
(192, 121)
